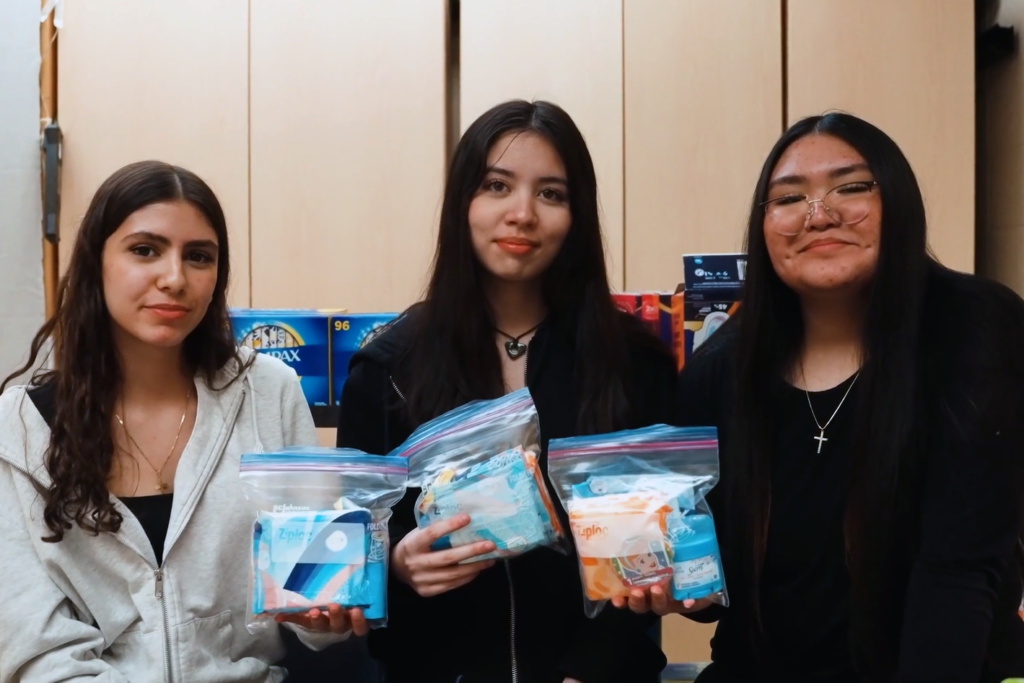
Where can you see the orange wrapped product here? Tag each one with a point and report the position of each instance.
(622, 541)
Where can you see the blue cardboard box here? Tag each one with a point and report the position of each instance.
(349, 333)
(299, 337)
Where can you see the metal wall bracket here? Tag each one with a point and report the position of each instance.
(51, 148)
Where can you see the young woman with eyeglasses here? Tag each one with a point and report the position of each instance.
(870, 404)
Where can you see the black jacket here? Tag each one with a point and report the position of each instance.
(466, 635)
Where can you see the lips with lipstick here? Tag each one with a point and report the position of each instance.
(517, 246)
(168, 311)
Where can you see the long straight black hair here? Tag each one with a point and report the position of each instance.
(883, 495)
(452, 357)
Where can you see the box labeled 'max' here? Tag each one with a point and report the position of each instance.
(662, 312)
(299, 337)
(349, 333)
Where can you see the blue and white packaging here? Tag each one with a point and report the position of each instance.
(299, 337)
(349, 333)
(320, 530)
(481, 459)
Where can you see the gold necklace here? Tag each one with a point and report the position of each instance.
(161, 485)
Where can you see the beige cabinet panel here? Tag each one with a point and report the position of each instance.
(157, 80)
(568, 52)
(685, 641)
(908, 68)
(348, 150)
(703, 106)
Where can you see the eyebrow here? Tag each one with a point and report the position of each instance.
(546, 179)
(163, 241)
(835, 173)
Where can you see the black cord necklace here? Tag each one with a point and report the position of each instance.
(513, 347)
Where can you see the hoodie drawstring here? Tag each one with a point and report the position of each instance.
(255, 420)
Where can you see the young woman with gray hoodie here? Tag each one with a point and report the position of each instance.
(125, 534)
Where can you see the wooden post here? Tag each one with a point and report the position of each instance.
(48, 113)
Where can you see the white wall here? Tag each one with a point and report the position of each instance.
(21, 273)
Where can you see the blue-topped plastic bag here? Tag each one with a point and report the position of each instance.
(482, 459)
(638, 513)
(320, 534)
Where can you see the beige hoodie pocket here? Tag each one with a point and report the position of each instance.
(210, 651)
(138, 654)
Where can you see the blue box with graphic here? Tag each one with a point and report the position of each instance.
(299, 337)
(349, 333)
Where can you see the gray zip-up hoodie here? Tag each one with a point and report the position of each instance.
(98, 608)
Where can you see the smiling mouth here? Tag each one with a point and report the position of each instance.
(516, 246)
(829, 244)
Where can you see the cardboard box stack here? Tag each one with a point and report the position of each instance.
(317, 344)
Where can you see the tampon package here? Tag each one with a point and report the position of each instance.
(481, 459)
(638, 514)
(320, 534)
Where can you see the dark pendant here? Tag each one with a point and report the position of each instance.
(514, 348)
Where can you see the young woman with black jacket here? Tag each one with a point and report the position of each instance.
(518, 296)
(870, 405)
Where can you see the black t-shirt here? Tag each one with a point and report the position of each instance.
(805, 559)
(961, 597)
(154, 514)
(805, 584)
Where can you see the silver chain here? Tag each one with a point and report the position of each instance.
(848, 390)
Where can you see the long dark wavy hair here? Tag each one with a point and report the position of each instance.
(452, 357)
(86, 375)
(886, 474)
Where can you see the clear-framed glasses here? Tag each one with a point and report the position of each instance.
(847, 204)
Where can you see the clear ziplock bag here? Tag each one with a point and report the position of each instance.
(482, 459)
(638, 513)
(320, 533)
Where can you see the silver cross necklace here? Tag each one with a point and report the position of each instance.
(821, 428)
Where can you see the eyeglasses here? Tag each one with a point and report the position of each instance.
(847, 204)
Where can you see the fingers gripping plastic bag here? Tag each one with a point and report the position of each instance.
(637, 511)
(320, 530)
(481, 459)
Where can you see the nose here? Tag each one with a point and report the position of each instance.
(172, 275)
(818, 216)
(521, 210)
